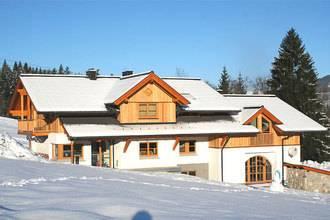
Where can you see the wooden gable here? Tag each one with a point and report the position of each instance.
(150, 93)
(265, 112)
(153, 79)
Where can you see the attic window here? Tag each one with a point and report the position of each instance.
(265, 125)
(147, 110)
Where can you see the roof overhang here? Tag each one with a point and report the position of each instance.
(153, 78)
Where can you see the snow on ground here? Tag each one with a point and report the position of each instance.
(12, 145)
(324, 165)
(33, 190)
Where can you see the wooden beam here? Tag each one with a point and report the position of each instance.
(128, 141)
(177, 140)
(100, 154)
(21, 91)
(17, 112)
(22, 106)
(28, 108)
(72, 151)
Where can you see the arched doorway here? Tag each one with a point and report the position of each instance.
(258, 170)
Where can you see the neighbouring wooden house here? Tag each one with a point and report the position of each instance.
(143, 121)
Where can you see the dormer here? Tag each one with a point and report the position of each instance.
(261, 118)
(148, 99)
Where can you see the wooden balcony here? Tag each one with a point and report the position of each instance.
(25, 126)
(262, 139)
(38, 127)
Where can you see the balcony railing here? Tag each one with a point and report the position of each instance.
(35, 127)
(262, 139)
(25, 126)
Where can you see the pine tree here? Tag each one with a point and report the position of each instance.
(4, 88)
(294, 80)
(20, 67)
(67, 70)
(224, 82)
(25, 68)
(53, 71)
(239, 86)
(61, 69)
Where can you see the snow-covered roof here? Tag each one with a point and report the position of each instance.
(186, 125)
(292, 119)
(67, 94)
(248, 113)
(72, 93)
(200, 95)
(124, 84)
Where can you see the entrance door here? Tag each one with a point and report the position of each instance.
(258, 170)
(101, 155)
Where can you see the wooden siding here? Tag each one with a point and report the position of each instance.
(151, 93)
(29, 120)
(271, 138)
(261, 139)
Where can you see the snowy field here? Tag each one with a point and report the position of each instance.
(33, 190)
(30, 189)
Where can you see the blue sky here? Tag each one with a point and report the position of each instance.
(199, 37)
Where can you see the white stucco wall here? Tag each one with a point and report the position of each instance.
(214, 164)
(200, 156)
(87, 152)
(234, 160)
(41, 147)
(167, 157)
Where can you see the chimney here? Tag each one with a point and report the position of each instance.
(92, 73)
(127, 73)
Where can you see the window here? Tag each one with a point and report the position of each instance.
(255, 123)
(66, 151)
(187, 147)
(77, 149)
(148, 149)
(265, 125)
(190, 173)
(147, 110)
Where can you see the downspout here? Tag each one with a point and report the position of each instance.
(226, 138)
(113, 153)
(283, 139)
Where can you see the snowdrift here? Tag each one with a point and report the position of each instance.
(12, 145)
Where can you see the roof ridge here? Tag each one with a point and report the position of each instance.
(63, 75)
(181, 77)
(136, 74)
(249, 95)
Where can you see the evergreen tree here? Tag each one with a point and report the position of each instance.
(67, 70)
(294, 80)
(25, 68)
(4, 88)
(239, 86)
(224, 82)
(20, 67)
(53, 71)
(61, 69)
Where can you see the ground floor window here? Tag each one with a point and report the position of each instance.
(63, 151)
(258, 170)
(66, 150)
(187, 147)
(148, 149)
(190, 173)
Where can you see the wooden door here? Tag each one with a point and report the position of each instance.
(258, 170)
